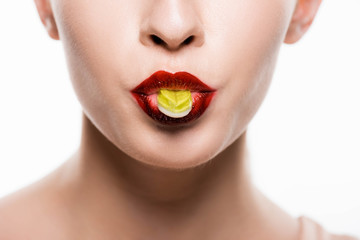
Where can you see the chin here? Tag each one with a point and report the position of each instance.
(174, 161)
(184, 149)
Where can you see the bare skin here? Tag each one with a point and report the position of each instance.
(128, 180)
(118, 198)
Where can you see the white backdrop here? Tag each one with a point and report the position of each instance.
(304, 142)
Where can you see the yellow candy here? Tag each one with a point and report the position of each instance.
(174, 103)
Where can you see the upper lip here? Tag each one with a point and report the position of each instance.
(177, 81)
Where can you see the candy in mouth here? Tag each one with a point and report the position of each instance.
(174, 103)
(173, 99)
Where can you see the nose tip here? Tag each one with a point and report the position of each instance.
(172, 26)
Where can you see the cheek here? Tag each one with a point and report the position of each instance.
(95, 47)
(94, 36)
(246, 35)
(247, 49)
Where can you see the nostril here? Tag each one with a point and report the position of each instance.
(171, 44)
(188, 40)
(157, 40)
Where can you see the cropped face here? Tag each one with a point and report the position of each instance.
(228, 46)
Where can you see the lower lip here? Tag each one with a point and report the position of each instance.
(200, 102)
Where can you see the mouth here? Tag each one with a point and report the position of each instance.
(173, 99)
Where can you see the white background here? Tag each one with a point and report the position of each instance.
(304, 141)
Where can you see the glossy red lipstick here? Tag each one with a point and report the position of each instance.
(145, 94)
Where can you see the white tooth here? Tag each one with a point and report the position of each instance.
(175, 115)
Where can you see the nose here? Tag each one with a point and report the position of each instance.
(172, 25)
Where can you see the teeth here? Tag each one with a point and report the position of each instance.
(174, 103)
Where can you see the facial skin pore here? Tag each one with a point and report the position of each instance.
(142, 178)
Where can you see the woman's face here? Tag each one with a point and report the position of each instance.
(113, 46)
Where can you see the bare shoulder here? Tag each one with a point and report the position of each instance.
(33, 212)
(16, 210)
(342, 237)
(313, 230)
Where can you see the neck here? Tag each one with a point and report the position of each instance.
(111, 185)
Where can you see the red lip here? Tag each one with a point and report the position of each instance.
(145, 95)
